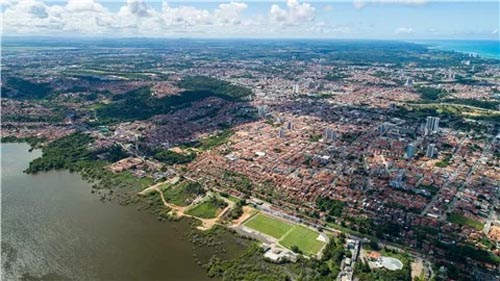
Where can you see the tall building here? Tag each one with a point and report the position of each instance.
(296, 88)
(281, 133)
(409, 82)
(410, 150)
(431, 150)
(289, 125)
(432, 124)
(329, 134)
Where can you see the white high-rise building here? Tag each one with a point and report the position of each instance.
(329, 134)
(409, 82)
(431, 150)
(432, 124)
(410, 150)
(281, 133)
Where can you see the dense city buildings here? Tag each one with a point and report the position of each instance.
(400, 149)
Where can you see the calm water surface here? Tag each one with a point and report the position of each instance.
(53, 228)
(484, 48)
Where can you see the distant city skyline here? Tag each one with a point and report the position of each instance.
(359, 19)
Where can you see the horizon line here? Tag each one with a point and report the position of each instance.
(246, 38)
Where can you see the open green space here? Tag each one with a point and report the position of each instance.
(208, 209)
(463, 220)
(268, 225)
(182, 193)
(215, 140)
(304, 238)
(290, 235)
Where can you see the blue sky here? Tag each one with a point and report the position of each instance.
(367, 19)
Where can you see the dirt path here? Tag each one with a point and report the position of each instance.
(180, 211)
(417, 268)
(247, 213)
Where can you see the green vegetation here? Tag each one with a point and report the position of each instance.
(238, 181)
(303, 238)
(112, 153)
(332, 207)
(19, 88)
(460, 219)
(336, 76)
(32, 141)
(249, 266)
(183, 192)
(237, 211)
(64, 153)
(295, 237)
(485, 104)
(388, 230)
(461, 252)
(71, 153)
(328, 267)
(56, 117)
(140, 104)
(171, 157)
(98, 73)
(208, 209)
(215, 140)
(445, 162)
(271, 226)
(215, 86)
(315, 138)
(430, 94)
(363, 271)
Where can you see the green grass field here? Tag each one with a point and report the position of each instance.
(463, 220)
(268, 225)
(288, 234)
(182, 193)
(208, 209)
(304, 238)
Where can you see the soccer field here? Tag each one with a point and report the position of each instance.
(288, 234)
(268, 225)
(304, 238)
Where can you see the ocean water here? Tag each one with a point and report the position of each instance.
(482, 48)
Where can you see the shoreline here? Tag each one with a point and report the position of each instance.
(442, 45)
(108, 217)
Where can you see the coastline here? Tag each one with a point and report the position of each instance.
(485, 49)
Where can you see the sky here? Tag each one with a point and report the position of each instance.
(358, 19)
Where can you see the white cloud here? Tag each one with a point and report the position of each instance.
(84, 6)
(494, 31)
(25, 15)
(88, 16)
(185, 16)
(404, 30)
(294, 14)
(136, 8)
(230, 13)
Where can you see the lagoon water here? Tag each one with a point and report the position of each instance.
(53, 228)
